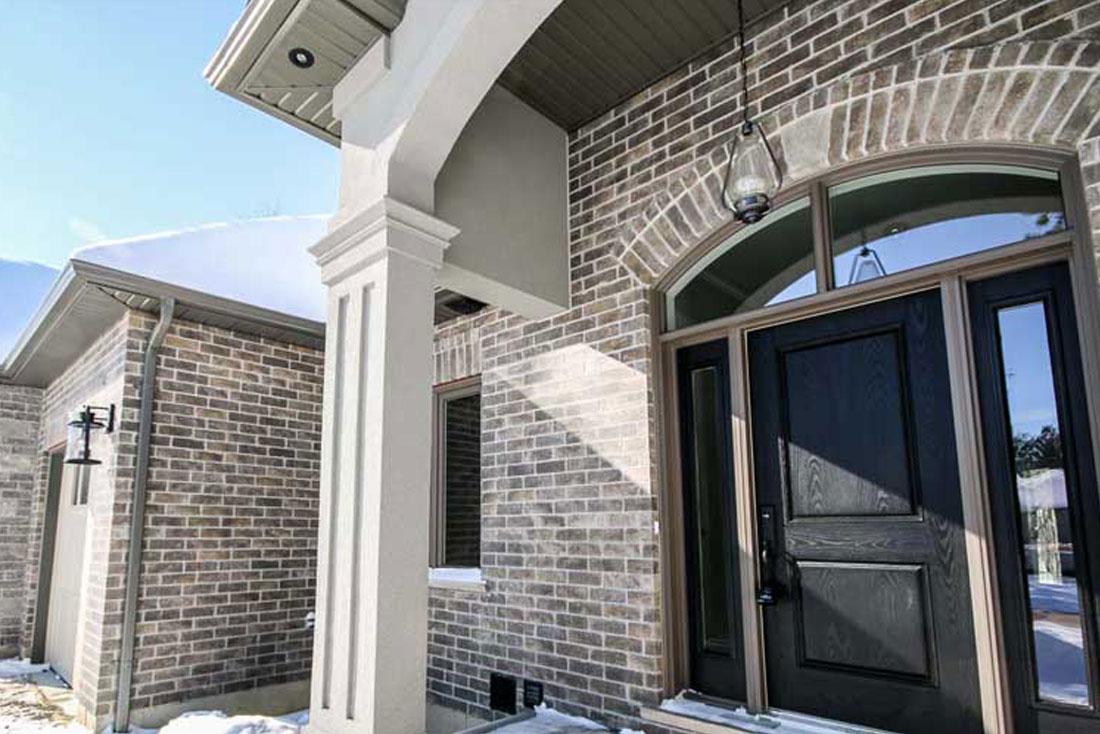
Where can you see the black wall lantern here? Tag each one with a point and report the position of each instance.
(78, 447)
(753, 177)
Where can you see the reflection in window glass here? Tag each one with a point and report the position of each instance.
(761, 265)
(1057, 630)
(709, 489)
(888, 223)
(79, 476)
(462, 478)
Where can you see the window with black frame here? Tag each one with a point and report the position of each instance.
(456, 499)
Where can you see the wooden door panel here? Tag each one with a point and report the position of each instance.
(853, 436)
(871, 618)
(846, 417)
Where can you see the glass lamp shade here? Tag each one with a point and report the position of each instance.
(78, 444)
(752, 177)
(866, 266)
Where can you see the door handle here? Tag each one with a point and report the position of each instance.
(768, 592)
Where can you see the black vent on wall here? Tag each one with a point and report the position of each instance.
(502, 693)
(450, 305)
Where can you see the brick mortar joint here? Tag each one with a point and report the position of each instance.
(772, 120)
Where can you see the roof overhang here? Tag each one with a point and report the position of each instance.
(586, 58)
(87, 299)
(253, 63)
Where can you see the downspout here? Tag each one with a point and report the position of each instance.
(137, 516)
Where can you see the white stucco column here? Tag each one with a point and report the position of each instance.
(370, 646)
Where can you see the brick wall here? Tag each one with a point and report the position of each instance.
(230, 555)
(20, 409)
(96, 377)
(569, 542)
(230, 543)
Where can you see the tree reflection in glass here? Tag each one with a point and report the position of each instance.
(1042, 501)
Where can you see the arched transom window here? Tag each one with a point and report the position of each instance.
(868, 227)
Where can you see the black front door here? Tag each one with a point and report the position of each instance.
(865, 595)
(714, 607)
(1043, 495)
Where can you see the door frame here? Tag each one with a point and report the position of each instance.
(54, 473)
(1073, 246)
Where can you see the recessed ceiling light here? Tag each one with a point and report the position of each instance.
(301, 57)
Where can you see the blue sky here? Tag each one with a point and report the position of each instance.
(107, 129)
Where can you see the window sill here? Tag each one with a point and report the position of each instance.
(458, 579)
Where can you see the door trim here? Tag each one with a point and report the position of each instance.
(46, 550)
(1073, 246)
(977, 519)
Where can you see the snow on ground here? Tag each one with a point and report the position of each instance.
(16, 668)
(216, 722)
(549, 721)
(34, 701)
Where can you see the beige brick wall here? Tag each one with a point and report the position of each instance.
(20, 408)
(569, 546)
(97, 377)
(230, 542)
(230, 556)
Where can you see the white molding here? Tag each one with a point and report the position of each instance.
(407, 231)
(457, 579)
(362, 77)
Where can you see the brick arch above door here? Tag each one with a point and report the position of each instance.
(1033, 93)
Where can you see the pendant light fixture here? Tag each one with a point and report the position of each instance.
(753, 177)
(866, 265)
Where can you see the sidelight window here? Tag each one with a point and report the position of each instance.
(1050, 553)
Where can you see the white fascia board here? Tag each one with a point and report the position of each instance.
(57, 302)
(59, 299)
(247, 39)
(242, 49)
(78, 276)
(158, 289)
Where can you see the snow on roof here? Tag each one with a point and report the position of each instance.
(23, 286)
(260, 262)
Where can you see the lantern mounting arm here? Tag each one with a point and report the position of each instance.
(91, 411)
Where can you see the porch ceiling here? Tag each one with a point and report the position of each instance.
(587, 57)
(590, 55)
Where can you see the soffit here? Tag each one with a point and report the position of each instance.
(253, 64)
(586, 58)
(591, 55)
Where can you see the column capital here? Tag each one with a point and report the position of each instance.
(385, 227)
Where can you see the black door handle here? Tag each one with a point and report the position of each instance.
(768, 593)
